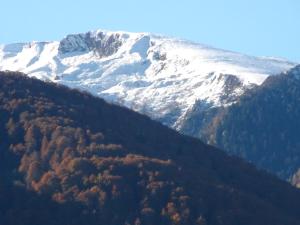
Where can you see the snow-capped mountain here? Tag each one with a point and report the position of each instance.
(159, 76)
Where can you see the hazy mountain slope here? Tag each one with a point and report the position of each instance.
(262, 127)
(158, 76)
(103, 164)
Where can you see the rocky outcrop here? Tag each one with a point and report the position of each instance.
(103, 44)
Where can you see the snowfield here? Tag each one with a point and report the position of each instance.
(155, 75)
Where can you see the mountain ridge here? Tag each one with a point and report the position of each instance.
(156, 75)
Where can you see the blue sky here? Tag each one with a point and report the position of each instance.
(256, 27)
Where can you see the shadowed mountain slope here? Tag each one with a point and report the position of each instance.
(263, 126)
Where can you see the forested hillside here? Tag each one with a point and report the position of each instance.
(264, 126)
(67, 157)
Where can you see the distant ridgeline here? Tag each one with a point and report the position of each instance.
(67, 157)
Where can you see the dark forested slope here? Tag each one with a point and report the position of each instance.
(264, 126)
(69, 158)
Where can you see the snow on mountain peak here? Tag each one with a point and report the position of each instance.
(156, 75)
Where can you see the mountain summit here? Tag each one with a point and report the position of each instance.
(159, 76)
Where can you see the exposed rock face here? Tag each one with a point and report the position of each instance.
(101, 43)
(198, 120)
